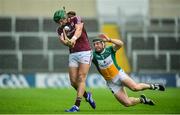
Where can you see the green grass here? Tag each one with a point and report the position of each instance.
(55, 101)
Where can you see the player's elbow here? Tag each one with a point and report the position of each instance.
(121, 43)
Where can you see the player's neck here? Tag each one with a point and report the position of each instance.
(102, 51)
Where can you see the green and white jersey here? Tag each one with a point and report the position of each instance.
(106, 63)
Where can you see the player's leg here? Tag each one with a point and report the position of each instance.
(119, 92)
(73, 74)
(131, 84)
(84, 65)
(83, 71)
(123, 98)
(73, 71)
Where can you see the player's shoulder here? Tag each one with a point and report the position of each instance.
(109, 47)
(76, 19)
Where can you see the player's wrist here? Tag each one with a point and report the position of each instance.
(109, 40)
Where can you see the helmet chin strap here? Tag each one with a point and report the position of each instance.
(103, 45)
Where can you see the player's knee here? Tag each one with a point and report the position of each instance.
(127, 104)
(82, 78)
(73, 82)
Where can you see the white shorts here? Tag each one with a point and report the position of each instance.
(115, 84)
(84, 57)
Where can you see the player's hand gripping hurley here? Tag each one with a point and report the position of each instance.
(67, 40)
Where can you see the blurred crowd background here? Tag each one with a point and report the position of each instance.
(150, 30)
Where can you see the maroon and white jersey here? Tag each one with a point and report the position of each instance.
(82, 43)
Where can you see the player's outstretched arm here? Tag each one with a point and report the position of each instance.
(117, 42)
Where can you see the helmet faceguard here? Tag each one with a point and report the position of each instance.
(97, 40)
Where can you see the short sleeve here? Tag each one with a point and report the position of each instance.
(111, 49)
(77, 20)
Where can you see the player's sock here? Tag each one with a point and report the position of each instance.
(78, 101)
(157, 87)
(85, 94)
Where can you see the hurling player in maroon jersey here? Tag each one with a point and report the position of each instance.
(72, 33)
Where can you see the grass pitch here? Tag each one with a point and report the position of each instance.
(55, 101)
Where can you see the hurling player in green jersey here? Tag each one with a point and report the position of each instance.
(116, 79)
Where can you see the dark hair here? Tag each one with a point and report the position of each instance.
(71, 14)
(97, 40)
